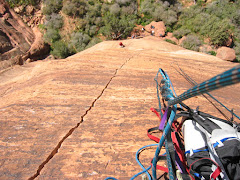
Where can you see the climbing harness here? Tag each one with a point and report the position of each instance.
(198, 145)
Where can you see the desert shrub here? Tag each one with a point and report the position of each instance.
(105, 8)
(192, 42)
(131, 9)
(124, 2)
(223, 9)
(99, 21)
(158, 13)
(213, 53)
(60, 49)
(75, 8)
(170, 41)
(147, 7)
(14, 3)
(51, 36)
(169, 17)
(80, 23)
(117, 27)
(91, 30)
(161, 11)
(93, 41)
(219, 31)
(54, 21)
(51, 6)
(180, 33)
(115, 9)
(217, 21)
(78, 42)
(94, 16)
(237, 50)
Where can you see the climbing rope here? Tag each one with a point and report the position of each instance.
(192, 82)
(227, 78)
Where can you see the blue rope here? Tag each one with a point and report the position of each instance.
(136, 157)
(172, 87)
(144, 169)
(169, 162)
(167, 94)
(141, 173)
(110, 178)
(165, 132)
(195, 83)
(159, 103)
(227, 78)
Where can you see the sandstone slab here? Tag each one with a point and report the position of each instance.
(85, 117)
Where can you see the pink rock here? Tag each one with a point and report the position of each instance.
(226, 53)
(158, 30)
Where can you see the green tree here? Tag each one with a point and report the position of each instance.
(51, 6)
(78, 42)
(75, 8)
(60, 49)
(51, 36)
(117, 27)
(192, 42)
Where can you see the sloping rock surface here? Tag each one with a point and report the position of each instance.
(85, 117)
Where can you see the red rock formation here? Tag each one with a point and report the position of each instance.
(20, 35)
(18, 42)
(158, 28)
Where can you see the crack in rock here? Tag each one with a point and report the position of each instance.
(55, 150)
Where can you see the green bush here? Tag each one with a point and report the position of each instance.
(51, 6)
(94, 41)
(54, 21)
(117, 27)
(51, 36)
(191, 42)
(60, 49)
(237, 50)
(14, 3)
(180, 33)
(78, 42)
(91, 30)
(219, 31)
(213, 53)
(80, 23)
(217, 21)
(94, 16)
(115, 9)
(160, 11)
(170, 41)
(75, 8)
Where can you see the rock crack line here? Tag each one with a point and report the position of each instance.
(55, 150)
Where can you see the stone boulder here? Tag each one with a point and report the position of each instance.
(226, 53)
(159, 28)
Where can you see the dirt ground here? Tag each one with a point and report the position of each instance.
(86, 116)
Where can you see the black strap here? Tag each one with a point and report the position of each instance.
(172, 153)
(206, 123)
